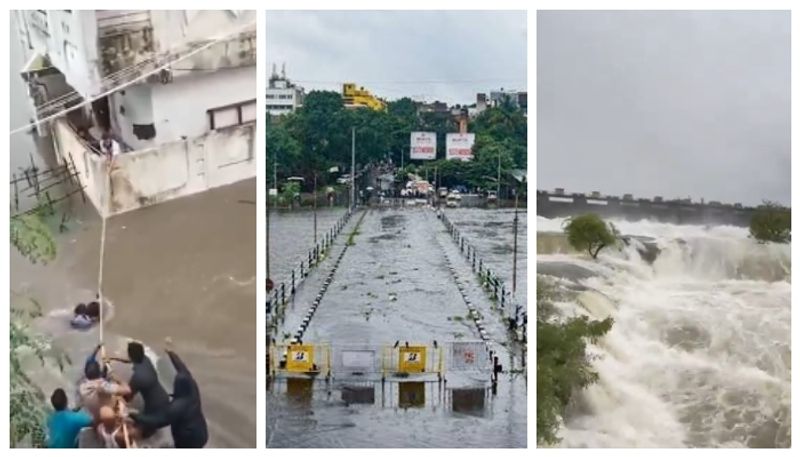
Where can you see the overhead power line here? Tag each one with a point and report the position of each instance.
(429, 81)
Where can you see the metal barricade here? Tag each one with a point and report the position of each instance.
(300, 360)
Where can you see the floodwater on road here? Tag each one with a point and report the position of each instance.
(292, 236)
(183, 269)
(393, 285)
(491, 231)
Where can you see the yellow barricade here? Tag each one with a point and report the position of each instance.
(412, 359)
(300, 358)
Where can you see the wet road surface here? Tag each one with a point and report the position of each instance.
(395, 284)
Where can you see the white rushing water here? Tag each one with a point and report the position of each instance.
(699, 354)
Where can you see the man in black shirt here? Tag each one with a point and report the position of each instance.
(184, 414)
(144, 381)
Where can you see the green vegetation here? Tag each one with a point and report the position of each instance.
(562, 365)
(318, 136)
(290, 191)
(32, 237)
(588, 232)
(771, 223)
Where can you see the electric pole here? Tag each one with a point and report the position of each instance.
(353, 169)
(315, 207)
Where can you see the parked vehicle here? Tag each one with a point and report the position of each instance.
(453, 199)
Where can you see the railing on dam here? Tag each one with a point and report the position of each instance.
(560, 204)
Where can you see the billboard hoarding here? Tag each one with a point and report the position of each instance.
(459, 146)
(423, 146)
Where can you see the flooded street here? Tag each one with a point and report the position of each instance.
(395, 284)
(491, 231)
(292, 235)
(183, 269)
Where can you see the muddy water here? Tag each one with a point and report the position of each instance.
(292, 236)
(183, 269)
(491, 231)
(392, 284)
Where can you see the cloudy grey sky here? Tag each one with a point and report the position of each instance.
(444, 55)
(665, 103)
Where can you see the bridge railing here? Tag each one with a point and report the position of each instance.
(283, 292)
(495, 287)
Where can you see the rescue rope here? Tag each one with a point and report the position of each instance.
(105, 199)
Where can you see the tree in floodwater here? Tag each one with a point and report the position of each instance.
(562, 365)
(588, 232)
(31, 236)
(771, 222)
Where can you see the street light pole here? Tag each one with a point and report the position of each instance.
(516, 231)
(353, 169)
(315, 207)
(268, 205)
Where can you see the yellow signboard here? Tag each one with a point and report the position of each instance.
(300, 358)
(412, 359)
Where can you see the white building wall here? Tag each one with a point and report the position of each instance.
(172, 170)
(180, 108)
(133, 106)
(70, 41)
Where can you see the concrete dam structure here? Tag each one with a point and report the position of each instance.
(560, 204)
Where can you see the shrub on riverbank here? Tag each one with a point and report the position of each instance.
(562, 365)
(771, 223)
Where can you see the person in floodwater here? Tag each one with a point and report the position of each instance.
(97, 390)
(184, 414)
(93, 311)
(64, 425)
(144, 381)
(85, 316)
(80, 318)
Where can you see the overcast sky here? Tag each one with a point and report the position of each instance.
(665, 103)
(444, 55)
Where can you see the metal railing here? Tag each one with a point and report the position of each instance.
(285, 291)
(492, 284)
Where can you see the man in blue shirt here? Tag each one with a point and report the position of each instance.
(64, 425)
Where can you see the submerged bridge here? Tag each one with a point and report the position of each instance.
(680, 211)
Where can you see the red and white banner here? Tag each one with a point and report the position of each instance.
(459, 146)
(423, 145)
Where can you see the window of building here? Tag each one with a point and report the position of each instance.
(231, 115)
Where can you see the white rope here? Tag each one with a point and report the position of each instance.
(133, 81)
(104, 198)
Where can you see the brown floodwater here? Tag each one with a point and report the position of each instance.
(183, 269)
